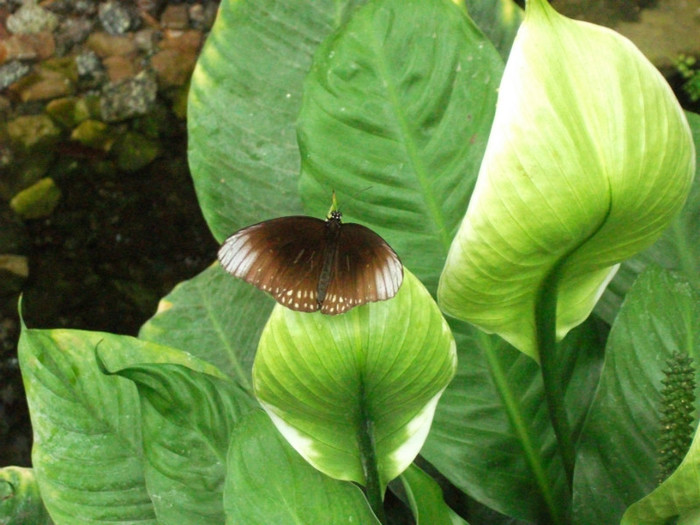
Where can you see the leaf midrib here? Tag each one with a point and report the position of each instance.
(412, 150)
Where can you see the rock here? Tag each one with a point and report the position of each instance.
(72, 32)
(94, 134)
(117, 18)
(119, 68)
(12, 72)
(146, 39)
(14, 270)
(105, 45)
(134, 151)
(184, 41)
(172, 67)
(90, 70)
(43, 84)
(31, 18)
(128, 99)
(203, 16)
(175, 16)
(28, 47)
(37, 201)
(30, 132)
(68, 111)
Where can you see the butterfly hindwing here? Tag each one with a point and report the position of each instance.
(365, 269)
(281, 256)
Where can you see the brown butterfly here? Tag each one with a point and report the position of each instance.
(308, 264)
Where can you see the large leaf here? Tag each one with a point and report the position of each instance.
(499, 20)
(215, 317)
(588, 161)
(20, 501)
(189, 410)
(268, 482)
(491, 435)
(396, 113)
(678, 248)
(425, 498)
(618, 448)
(87, 452)
(243, 103)
(378, 369)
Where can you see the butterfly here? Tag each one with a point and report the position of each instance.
(309, 264)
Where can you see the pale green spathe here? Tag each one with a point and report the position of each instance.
(588, 160)
(320, 377)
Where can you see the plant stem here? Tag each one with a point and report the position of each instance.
(546, 322)
(368, 456)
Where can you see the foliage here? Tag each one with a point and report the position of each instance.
(390, 103)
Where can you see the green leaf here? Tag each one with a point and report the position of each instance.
(215, 317)
(20, 501)
(396, 112)
(678, 248)
(589, 159)
(243, 103)
(498, 20)
(425, 497)
(268, 482)
(87, 452)
(618, 448)
(491, 435)
(324, 379)
(188, 412)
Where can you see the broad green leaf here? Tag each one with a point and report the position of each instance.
(20, 501)
(425, 497)
(617, 462)
(268, 482)
(499, 20)
(215, 317)
(324, 379)
(396, 112)
(491, 436)
(589, 159)
(243, 104)
(87, 453)
(188, 412)
(678, 248)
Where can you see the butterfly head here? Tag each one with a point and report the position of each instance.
(334, 214)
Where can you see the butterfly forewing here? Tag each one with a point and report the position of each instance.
(282, 257)
(365, 269)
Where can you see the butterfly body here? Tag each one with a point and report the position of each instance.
(308, 264)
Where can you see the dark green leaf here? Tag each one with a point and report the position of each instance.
(215, 317)
(618, 448)
(189, 410)
(87, 452)
(243, 103)
(396, 113)
(268, 482)
(499, 20)
(425, 497)
(491, 435)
